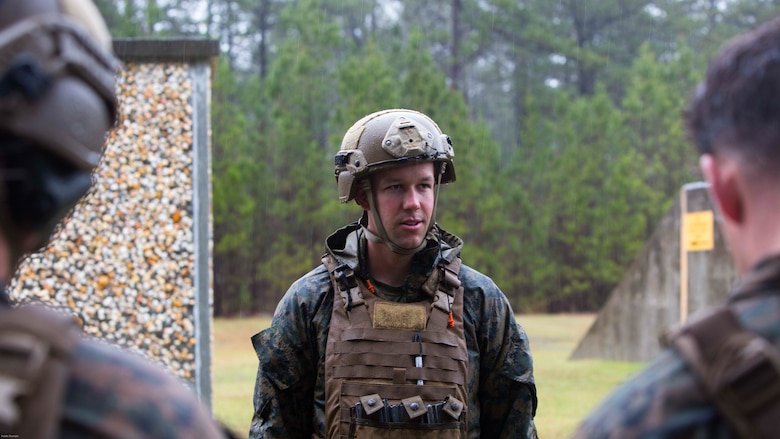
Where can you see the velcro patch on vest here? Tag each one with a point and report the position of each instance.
(399, 375)
(401, 316)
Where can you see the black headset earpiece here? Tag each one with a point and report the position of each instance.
(40, 188)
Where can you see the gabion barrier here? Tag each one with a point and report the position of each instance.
(133, 262)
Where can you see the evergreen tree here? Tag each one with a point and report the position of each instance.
(299, 87)
(239, 176)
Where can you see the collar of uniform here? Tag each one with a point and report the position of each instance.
(764, 276)
(347, 245)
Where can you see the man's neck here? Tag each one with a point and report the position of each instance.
(764, 241)
(759, 236)
(386, 266)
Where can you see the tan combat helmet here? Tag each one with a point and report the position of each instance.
(57, 103)
(391, 138)
(57, 77)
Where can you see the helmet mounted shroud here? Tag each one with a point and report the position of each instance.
(57, 102)
(386, 139)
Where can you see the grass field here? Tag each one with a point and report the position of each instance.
(567, 390)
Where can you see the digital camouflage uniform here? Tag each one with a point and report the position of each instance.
(112, 393)
(666, 399)
(289, 396)
(108, 392)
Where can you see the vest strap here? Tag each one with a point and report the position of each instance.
(398, 348)
(739, 369)
(372, 334)
(449, 285)
(398, 375)
(36, 345)
(376, 359)
(343, 277)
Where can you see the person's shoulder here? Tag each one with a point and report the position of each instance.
(761, 314)
(115, 393)
(308, 299)
(483, 300)
(307, 293)
(474, 280)
(664, 398)
(315, 281)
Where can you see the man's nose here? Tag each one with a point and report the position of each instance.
(411, 199)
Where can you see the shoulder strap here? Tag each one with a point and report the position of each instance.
(346, 285)
(449, 286)
(739, 369)
(35, 348)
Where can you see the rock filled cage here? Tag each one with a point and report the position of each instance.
(132, 263)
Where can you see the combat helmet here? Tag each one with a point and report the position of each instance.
(57, 102)
(57, 77)
(390, 138)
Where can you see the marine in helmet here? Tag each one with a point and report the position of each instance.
(57, 103)
(392, 336)
(719, 376)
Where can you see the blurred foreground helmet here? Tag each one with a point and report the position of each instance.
(57, 77)
(391, 138)
(57, 103)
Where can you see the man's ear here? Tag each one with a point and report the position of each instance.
(361, 198)
(725, 185)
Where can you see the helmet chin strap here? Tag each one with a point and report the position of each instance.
(12, 235)
(5, 299)
(381, 237)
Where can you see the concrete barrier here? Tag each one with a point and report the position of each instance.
(647, 300)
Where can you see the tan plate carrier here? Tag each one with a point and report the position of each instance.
(402, 366)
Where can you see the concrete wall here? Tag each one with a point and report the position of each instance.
(647, 299)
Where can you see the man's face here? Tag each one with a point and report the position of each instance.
(404, 199)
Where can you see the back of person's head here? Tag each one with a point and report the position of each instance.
(57, 103)
(736, 110)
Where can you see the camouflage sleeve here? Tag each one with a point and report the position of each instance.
(507, 391)
(113, 393)
(663, 400)
(287, 366)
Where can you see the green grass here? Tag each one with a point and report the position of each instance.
(567, 390)
(234, 370)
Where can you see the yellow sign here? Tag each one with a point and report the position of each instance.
(699, 231)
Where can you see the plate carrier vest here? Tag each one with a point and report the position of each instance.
(739, 369)
(36, 345)
(396, 369)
